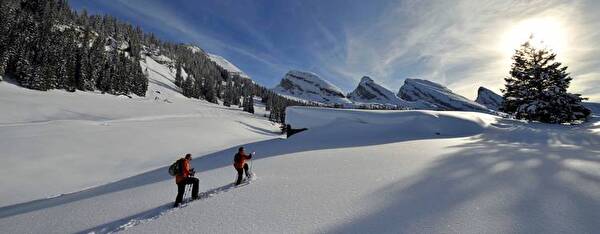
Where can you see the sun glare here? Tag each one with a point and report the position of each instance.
(544, 33)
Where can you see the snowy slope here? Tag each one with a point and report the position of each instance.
(195, 49)
(225, 64)
(310, 87)
(369, 92)
(354, 175)
(488, 98)
(361, 172)
(438, 95)
(70, 141)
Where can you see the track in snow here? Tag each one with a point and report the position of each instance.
(155, 213)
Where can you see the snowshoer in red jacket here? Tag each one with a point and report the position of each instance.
(185, 177)
(239, 162)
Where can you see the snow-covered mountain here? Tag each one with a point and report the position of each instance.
(310, 87)
(488, 98)
(222, 62)
(369, 92)
(225, 64)
(438, 95)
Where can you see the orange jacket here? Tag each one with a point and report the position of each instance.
(240, 159)
(186, 171)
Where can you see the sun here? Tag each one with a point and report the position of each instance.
(548, 33)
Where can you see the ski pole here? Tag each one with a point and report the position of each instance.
(184, 194)
(253, 154)
(250, 165)
(187, 191)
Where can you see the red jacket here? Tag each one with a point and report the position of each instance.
(186, 171)
(240, 159)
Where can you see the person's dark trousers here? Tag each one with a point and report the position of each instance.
(181, 189)
(240, 173)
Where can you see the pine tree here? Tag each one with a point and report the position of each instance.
(105, 78)
(96, 62)
(188, 86)
(197, 89)
(250, 105)
(70, 52)
(178, 78)
(228, 97)
(87, 81)
(209, 90)
(140, 79)
(537, 88)
(7, 17)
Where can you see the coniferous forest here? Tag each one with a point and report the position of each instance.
(45, 45)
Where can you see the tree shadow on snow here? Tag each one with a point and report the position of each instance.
(527, 178)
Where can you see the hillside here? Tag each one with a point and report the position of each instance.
(82, 139)
(225, 64)
(496, 175)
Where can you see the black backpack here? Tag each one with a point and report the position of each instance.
(237, 158)
(176, 168)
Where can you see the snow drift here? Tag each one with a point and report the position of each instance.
(417, 122)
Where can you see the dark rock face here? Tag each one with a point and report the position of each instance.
(488, 98)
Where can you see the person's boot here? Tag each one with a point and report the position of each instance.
(176, 205)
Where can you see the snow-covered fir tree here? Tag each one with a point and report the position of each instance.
(537, 88)
(249, 104)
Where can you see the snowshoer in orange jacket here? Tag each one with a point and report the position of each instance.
(239, 162)
(185, 177)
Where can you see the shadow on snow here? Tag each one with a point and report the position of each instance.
(345, 134)
(529, 163)
(529, 169)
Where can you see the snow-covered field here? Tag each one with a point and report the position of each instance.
(351, 172)
(58, 142)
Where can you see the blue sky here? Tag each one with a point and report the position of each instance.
(462, 44)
